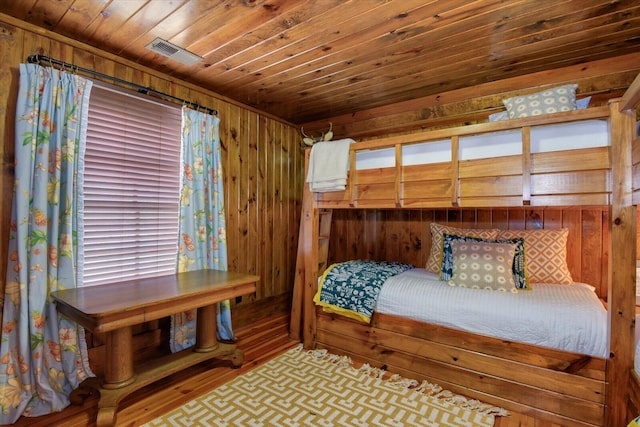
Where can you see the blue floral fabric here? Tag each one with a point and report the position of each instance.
(203, 231)
(43, 355)
(352, 288)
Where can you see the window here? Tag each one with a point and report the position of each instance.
(131, 187)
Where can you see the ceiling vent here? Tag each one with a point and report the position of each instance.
(174, 52)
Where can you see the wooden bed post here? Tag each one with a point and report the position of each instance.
(621, 297)
(310, 224)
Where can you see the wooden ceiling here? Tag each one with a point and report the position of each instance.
(306, 60)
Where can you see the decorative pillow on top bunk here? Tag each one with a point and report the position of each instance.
(434, 262)
(483, 265)
(546, 254)
(581, 104)
(518, 264)
(554, 100)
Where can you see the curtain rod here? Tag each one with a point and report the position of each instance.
(37, 59)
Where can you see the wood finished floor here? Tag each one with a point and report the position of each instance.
(260, 341)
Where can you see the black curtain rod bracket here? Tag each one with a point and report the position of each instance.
(38, 59)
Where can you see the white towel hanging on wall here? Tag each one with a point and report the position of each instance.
(328, 165)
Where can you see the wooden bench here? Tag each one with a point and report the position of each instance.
(114, 308)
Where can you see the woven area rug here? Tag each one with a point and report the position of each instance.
(316, 388)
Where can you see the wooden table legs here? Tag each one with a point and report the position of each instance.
(118, 369)
(121, 380)
(206, 329)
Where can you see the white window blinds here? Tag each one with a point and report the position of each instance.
(131, 187)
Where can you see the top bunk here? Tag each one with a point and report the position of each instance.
(559, 159)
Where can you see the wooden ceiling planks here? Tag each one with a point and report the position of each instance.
(306, 61)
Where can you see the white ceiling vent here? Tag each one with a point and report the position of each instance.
(172, 51)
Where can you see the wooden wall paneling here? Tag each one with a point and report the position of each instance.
(34, 44)
(592, 243)
(285, 196)
(535, 218)
(406, 247)
(370, 231)
(516, 219)
(468, 218)
(499, 218)
(350, 235)
(60, 50)
(447, 217)
(280, 225)
(337, 237)
(427, 218)
(244, 209)
(11, 52)
(484, 218)
(357, 237)
(394, 230)
(251, 247)
(571, 219)
(268, 183)
(295, 190)
(231, 155)
(282, 228)
(380, 218)
(122, 71)
(414, 239)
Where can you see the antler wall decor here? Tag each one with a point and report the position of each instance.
(310, 140)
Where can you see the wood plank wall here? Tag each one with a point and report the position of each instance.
(263, 160)
(404, 235)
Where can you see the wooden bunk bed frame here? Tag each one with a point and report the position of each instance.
(564, 388)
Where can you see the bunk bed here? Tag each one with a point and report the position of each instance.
(584, 188)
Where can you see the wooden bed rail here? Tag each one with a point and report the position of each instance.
(480, 128)
(557, 178)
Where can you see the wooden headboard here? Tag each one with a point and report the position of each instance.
(404, 234)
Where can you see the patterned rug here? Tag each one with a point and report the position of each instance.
(316, 388)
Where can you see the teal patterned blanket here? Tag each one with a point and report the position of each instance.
(351, 288)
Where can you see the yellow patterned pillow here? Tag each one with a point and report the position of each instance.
(483, 265)
(546, 254)
(434, 262)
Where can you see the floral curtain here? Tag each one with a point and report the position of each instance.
(202, 232)
(43, 356)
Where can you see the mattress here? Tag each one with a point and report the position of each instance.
(564, 317)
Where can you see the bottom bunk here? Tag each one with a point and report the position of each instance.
(562, 387)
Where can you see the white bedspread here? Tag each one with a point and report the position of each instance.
(567, 317)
